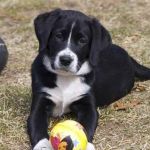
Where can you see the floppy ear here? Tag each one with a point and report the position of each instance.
(43, 25)
(100, 40)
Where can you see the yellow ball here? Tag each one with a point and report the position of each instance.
(68, 134)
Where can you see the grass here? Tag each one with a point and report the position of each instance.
(128, 23)
(14, 106)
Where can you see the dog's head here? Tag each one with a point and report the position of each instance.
(71, 41)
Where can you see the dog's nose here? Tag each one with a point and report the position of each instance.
(65, 60)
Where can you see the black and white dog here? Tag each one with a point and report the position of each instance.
(77, 69)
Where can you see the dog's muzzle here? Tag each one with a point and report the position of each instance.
(65, 60)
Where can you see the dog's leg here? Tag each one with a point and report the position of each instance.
(87, 115)
(38, 122)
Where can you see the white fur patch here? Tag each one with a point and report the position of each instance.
(69, 38)
(67, 51)
(2, 44)
(68, 90)
(43, 144)
(47, 64)
(90, 146)
(85, 68)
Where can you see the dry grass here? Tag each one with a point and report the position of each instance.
(128, 22)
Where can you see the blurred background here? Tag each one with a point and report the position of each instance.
(128, 21)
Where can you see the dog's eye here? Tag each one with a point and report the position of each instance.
(82, 40)
(59, 36)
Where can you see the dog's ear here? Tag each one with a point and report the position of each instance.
(101, 39)
(43, 25)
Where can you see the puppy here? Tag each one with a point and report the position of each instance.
(78, 68)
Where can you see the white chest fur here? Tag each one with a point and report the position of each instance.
(69, 89)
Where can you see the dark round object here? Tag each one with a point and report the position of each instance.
(3, 55)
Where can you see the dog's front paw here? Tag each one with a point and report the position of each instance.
(90, 146)
(43, 144)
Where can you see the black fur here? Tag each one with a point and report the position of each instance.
(100, 40)
(3, 55)
(43, 26)
(112, 76)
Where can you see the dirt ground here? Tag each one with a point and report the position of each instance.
(122, 126)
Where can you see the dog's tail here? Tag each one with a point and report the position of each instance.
(141, 72)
